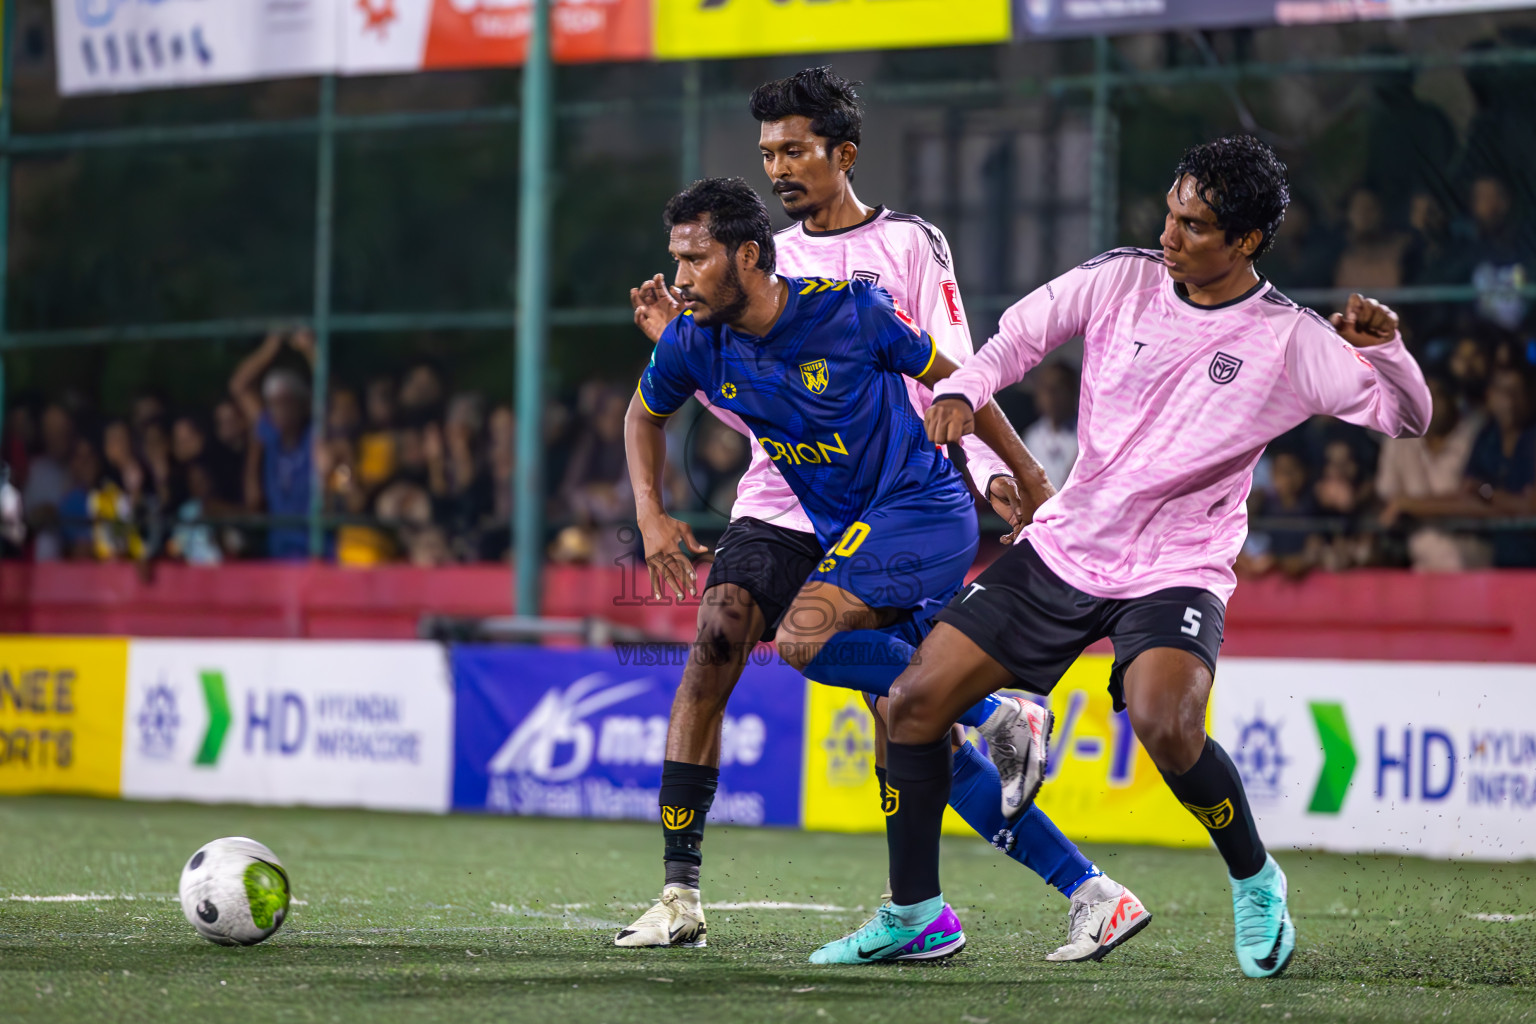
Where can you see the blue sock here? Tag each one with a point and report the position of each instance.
(869, 660)
(1035, 841)
(917, 915)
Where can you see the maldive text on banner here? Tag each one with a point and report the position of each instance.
(687, 29)
(582, 734)
(1101, 785)
(325, 723)
(1436, 760)
(423, 35)
(61, 714)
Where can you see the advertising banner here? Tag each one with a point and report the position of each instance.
(116, 45)
(687, 29)
(61, 714)
(416, 35)
(1101, 785)
(1115, 17)
(582, 734)
(1422, 8)
(341, 724)
(1437, 760)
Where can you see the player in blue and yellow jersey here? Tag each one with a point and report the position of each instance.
(814, 367)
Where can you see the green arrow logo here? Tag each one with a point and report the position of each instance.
(1338, 758)
(218, 717)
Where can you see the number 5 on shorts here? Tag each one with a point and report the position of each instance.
(1191, 622)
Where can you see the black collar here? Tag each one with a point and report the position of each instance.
(1180, 291)
(843, 231)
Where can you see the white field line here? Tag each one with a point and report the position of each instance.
(1501, 918)
(829, 908)
(98, 897)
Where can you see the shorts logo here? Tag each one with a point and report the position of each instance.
(727, 390)
(814, 375)
(827, 565)
(890, 800)
(1224, 368)
(675, 818)
(952, 300)
(1219, 816)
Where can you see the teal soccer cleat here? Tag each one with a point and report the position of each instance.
(1265, 937)
(884, 939)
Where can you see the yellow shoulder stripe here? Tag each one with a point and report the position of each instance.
(653, 412)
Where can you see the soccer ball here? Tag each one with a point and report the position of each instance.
(234, 892)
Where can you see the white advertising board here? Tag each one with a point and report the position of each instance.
(342, 724)
(1433, 759)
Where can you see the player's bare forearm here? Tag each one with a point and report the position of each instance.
(998, 434)
(645, 450)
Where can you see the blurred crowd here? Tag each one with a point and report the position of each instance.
(413, 472)
(417, 472)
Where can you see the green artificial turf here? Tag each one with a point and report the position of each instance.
(460, 919)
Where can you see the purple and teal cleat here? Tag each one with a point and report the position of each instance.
(885, 939)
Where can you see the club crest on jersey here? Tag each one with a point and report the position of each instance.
(866, 275)
(815, 376)
(1224, 368)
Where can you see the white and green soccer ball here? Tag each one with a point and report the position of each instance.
(234, 892)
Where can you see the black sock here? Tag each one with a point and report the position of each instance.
(1213, 792)
(687, 791)
(880, 781)
(918, 777)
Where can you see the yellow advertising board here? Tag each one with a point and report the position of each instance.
(687, 29)
(1102, 787)
(61, 714)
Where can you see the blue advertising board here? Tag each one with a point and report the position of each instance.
(582, 734)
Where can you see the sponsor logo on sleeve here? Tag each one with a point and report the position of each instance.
(952, 302)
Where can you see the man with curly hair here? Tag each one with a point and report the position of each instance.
(1192, 364)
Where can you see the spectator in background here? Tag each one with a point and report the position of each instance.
(18, 435)
(421, 396)
(1053, 437)
(1432, 466)
(457, 474)
(1499, 256)
(1408, 143)
(1468, 366)
(123, 467)
(193, 541)
(280, 458)
(343, 414)
(85, 473)
(49, 479)
(1305, 252)
(501, 455)
(719, 458)
(596, 486)
(1373, 251)
(227, 451)
(1292, 550)
(1501, 472)
(165, 486)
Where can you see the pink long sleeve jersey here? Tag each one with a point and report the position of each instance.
(1178, 402)
(909, 258)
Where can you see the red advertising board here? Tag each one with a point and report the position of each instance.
(488, 33)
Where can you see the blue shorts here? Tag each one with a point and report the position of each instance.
(912, 555)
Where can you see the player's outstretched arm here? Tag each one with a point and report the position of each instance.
(950, 419)
(1360, 371)
(645, 448)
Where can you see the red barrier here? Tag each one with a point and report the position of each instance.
(1484, 616)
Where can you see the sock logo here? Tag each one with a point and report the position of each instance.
(890, 800)
(1219, 816)
(675, 818)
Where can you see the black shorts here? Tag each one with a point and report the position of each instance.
(768, 562)
(1035, 624)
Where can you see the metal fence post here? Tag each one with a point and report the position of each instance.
(1103, 199)
(533, 218)
(325, 187)
(7, 34)
(692, 161)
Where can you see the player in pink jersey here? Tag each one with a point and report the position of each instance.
(1192, 364)
(809, 139)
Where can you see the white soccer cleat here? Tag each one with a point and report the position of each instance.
(1018, 735)
(677, 919)
(1104, 914)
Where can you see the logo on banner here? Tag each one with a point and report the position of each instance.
(158, 722)
(1258, 756)
(379, 15)
(850, 744)
(1338, 758)
(555, 743)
